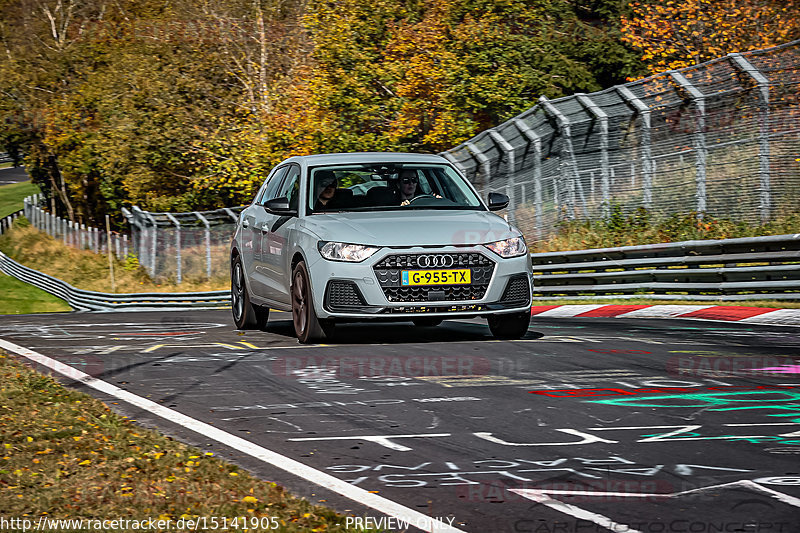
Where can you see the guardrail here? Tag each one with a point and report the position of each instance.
(8, 220)
(755, 268)
(82, 300)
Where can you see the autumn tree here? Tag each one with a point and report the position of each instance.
(680, 33)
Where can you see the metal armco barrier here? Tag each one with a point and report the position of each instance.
(755, 268)
(82, 300)
(7, 221)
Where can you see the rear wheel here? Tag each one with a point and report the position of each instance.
(510, 326)
(246, 315)
(426, 322)
(307, 326)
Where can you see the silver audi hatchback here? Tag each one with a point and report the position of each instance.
(377, 236)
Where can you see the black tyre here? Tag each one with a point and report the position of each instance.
(426, 322)
(307, 326)
(246, 315)
(510, 326)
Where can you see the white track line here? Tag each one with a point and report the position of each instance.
(379, 503)
(543, 496)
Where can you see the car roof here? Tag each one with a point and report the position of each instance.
(366, 157)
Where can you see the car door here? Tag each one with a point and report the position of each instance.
(252, 226)
(276, 235)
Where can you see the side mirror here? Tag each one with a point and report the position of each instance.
(280, 206)
(497, 201)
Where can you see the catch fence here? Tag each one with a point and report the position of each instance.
(183, 245)
(721, 138)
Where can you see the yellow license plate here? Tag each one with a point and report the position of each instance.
(437, 277)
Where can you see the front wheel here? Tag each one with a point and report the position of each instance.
(246, 315)
(510, 326)
(307, 326)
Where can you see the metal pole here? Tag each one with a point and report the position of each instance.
(647, 159)
(506, 147)
(177, 245)
(701, 151)
(605, 174)
(205, 222)
(538, 205)
(153, 244)
(484, 164)
(567, 157)
(765, 203)
(110, 259)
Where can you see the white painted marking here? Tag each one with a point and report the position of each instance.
(287, 464)
(566, 508)
(383, 440)
(781, 317)
(567, 311)
(542, 496)
(663, 311)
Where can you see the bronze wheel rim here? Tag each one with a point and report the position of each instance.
(237, 292)
(299, 304)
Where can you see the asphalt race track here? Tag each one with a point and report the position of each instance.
(586, 425)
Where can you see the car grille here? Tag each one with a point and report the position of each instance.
(517, 291)
(388, 272)
(343, 294)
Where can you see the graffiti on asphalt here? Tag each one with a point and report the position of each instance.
(643, 434)
(579, 393)
(428, 473)
(785, 402)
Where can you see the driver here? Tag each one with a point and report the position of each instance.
(407, 186)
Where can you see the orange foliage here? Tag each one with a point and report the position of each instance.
(681, 33)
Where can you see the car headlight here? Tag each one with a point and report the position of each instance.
(506, 248)
(340, 251)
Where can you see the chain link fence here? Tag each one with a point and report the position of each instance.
(178, 246)
(722, 138)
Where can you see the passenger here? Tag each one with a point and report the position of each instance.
(326, 186)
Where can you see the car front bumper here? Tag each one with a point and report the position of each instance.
(372, 290)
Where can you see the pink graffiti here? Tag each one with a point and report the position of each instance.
(785, 369)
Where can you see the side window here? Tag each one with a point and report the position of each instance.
(291, 186)
(274, 182)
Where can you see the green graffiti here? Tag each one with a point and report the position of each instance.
(788, 401)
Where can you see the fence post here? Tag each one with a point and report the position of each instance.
(204, 220)
(153, 243)
(125, 245)
(536, 141)
(567, 157)
(765, 201)
(605, 175)
(506, 147)
(485, 166)
(177, 245)
(701, 151)
(647, 159)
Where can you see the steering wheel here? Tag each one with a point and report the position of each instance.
(418, 197)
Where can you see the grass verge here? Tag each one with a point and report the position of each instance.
(12, 196)
(19, 298)
(66, 455)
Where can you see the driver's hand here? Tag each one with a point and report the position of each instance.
(405, 202)
(436, 196)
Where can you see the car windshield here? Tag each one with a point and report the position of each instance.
(381, 187)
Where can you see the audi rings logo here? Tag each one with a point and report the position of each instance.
(435, 261)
